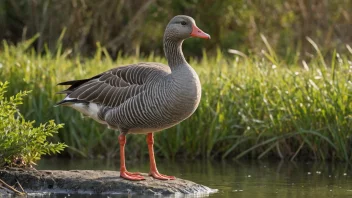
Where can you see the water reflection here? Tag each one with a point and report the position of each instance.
(240, 178)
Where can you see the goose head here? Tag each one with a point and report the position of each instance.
(182, 27)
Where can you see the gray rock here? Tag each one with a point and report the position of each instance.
(97, 182)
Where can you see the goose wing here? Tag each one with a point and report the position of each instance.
(113, 87)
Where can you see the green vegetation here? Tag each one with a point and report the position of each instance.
(21, 144)
(255, 107)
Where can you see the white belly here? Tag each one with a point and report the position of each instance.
(90, 110)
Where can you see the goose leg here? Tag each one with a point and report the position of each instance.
(123, 171)
(153, 170)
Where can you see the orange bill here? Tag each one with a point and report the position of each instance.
(196, 32)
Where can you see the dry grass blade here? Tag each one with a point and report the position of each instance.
(19, 184)
(272, 55)
(349, 48)
(318, 51)
(4, 184)
(233, 51)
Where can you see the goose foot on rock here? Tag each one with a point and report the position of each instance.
(131, 176)
(157, 175)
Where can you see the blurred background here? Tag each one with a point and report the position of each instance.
(136, 27)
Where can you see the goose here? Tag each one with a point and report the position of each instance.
(142, 98)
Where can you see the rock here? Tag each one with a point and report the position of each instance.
(96, 182)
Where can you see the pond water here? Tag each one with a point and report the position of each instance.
(237, 178)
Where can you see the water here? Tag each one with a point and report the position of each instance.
(240, 178)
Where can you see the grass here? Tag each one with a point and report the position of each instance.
(255, 107)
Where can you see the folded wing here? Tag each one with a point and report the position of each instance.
(114, 87)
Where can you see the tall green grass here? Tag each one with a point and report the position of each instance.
(252, 107)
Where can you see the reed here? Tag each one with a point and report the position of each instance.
(260, 106)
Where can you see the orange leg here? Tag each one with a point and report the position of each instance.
(123, 171)
(153, 170)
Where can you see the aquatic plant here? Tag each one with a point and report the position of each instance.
(254, 106)
(21, 144)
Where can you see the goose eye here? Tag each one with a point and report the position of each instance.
(183, 23)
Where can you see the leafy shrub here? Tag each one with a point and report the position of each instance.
(21, 144)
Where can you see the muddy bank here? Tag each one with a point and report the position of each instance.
(96, 182)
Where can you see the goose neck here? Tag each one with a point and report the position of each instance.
(174, 54)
